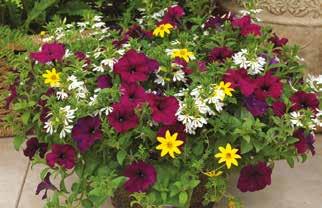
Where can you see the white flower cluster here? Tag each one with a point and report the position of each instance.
(315, 82)
(62, 121)
(194, 114)
(253, 66)
(77, 86)
(298, 119)
(105, 62)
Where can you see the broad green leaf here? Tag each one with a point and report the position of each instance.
(183, 198)
(121, 156)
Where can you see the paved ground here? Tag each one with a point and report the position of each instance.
(301, 187)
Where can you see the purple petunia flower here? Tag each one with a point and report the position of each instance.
(33, 146)
(278, 42)
(303, 100)
(163, 108)
(135, 31)
(13, 94)
(134, 66)
(45, 185)
(104, 81)
(86, 132)
(173, 15)
(254, 177)
(132, 93)
(246, 26)
(49, 52)
(305, 142)
(255, 106)
(220, 54)
(81, 56)
(62, 154)
(140, 175)
(123, 117)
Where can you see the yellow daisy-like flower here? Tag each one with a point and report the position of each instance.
(213, 173)
(52, 78)
(228, 155)
(169, 144)
(161, 29)
(182, 53)
(226, 88)
(42, 33)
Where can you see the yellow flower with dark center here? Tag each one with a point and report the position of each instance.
(169, 144)
(52, 77)
(226, 88)
(228, 155)
(182, 53)
(162, 29)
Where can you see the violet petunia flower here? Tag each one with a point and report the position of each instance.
(86, 132)
(220, 54)
(254, 177)
(33, 146)
(255, 106)
(45, 185)
(104, 81)
(268, 86)
(63, 155)
(141, 176)
(173, 15)
(305, 143)
(279, 108)
(304, 100)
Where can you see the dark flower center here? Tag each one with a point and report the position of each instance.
(140, 174)
(132, 69)
(62, 156)
(160, 106)
(121, 119)
(265, 88)
(132, 96)
(91, 130)
(303, 104)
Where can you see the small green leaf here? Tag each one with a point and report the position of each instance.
(121, 156)
(183, 198)
(17, 141)
(290, 161)
(245, 147)
(25, 117)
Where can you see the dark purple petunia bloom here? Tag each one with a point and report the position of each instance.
(45, 185)
(251, 29)
(216, 21)
(305, 143)
(123, 117)
(49, 52)
(134, 66)
(104, 81)
(268, 86)
(255, 106)
(241, 22)
(239, 79)
(136, 31)
(62, 154)
(12, 96)
(254, 177)
(202, 66)
(173, 15)
(132, 93)
(163, 108)
(86, 132)
(279, 108)
(81, 56)
(220, 54)
(278, 42)
(33, 146)
(184, 65)
(140, 175)
(304, 100)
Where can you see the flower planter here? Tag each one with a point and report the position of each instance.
(299, 21)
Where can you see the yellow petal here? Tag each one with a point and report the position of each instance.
(222, 160)
(177, 150)
(228, 164)
(161, 139)
(234, 162)
(178, 143)
(228, 147)
(221, 149)
(164, 152)
(219, 155)
(171, 154)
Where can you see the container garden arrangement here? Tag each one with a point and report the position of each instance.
(162, 113)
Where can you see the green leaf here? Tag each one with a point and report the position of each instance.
(18, 140)
(121, 156)
(245, 147)
(25, 117)
(183, 198)
(198, 149)
(38, 9)
(290, 161)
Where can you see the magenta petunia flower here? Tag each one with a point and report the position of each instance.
(163, 108)
(216, 21)
(255, 106)
(173, 15)
(268, 86)
(239, 79)
(45, 185)
(305, 143)
(220, 54)
(63, 155)
(132, 93)
(254, 177)
(123, 117)
(304, 100)
(141, 176)
(81, 56)
(104, 81)
(278, 42)
(49, 52)
(279, 108)
(184, 65)
(33, 146)
(202, 66)
(86, 132)
(134, 66)
(251, 29)
(241, 22)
